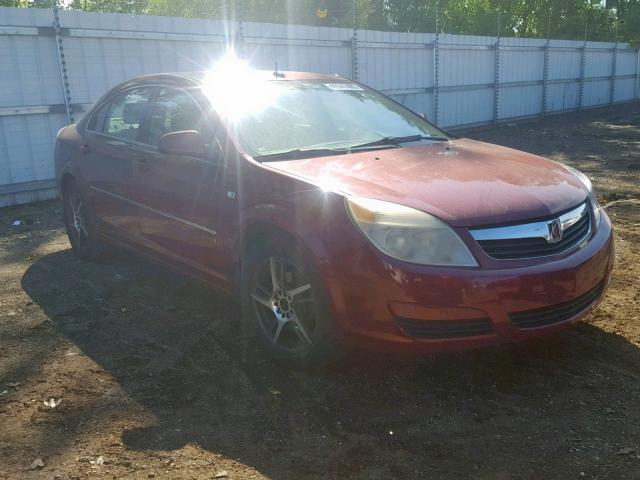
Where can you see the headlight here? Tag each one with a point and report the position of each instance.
(408, 234)
(593, 199)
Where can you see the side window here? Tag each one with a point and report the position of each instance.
(124, 115)
(172, 111)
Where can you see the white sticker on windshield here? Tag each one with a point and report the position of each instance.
(343, 86)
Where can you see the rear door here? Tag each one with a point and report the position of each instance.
(112, 143)
(179, 194)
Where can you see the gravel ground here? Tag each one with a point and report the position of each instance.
(154, 380)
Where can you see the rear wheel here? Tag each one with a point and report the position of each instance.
(77, 221)
(284, 302)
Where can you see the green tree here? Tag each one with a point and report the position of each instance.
(571, 19)
(26, 3)
(627, 13)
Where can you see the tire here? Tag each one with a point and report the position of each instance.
(291, 319)
(79, 225)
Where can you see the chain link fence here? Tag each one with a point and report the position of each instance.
(611, 21)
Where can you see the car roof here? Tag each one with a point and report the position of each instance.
(196, 78)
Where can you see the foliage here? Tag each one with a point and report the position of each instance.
(26, 3)
(570, 19)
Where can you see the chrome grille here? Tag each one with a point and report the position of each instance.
(536, 239)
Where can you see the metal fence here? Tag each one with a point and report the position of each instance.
(54, 65)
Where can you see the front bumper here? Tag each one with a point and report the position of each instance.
(375, 301)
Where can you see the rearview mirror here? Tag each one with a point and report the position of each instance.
(185, 142)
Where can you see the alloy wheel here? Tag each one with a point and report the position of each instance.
(76, 218)
(284, 305)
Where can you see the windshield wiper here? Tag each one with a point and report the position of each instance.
(311, 152)
(299, 153)
(396, 141)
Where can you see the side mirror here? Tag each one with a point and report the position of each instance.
(185, 142)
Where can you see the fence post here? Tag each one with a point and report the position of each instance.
(62, 63)
(354, 55)
(436, 75)
(496, 81)
(583, 62)
(638, 74)
(238, 42)
(612, 89)
(354, 42)
(545, 78)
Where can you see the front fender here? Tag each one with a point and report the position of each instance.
(293, 222)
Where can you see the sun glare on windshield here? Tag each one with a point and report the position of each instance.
(235, 90)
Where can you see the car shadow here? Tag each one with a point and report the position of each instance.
(179, 351)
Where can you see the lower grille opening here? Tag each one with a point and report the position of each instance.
(541, 317)
(445, 328)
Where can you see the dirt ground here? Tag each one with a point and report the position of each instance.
(155, 381)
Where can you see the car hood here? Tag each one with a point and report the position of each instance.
(464, 182)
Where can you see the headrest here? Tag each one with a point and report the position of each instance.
(185, 116)
(132, 113)
(158, 110)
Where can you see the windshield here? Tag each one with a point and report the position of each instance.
(305, 115)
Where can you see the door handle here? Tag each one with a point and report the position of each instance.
(85, 148)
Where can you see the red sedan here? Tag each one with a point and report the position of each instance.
(337, 215)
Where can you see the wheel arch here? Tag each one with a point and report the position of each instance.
(67, 179)
(259, 233)
(68, 174)
(260, 229)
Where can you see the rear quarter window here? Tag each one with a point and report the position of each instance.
(96, 121)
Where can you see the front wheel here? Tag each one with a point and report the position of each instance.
(285, 303)
(77, 222)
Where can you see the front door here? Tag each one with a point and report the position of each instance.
(179, 194)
